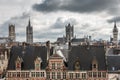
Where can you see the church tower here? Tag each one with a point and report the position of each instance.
(12, 32)
(115, 34)
(29, 33)
(69, 32)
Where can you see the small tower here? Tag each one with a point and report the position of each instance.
(115, 34)
(12, 32)
(29, 33)
(69, 32)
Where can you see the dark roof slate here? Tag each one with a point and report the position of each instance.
(85, 54)
(78, 40)
(28, 54)
(113, 62)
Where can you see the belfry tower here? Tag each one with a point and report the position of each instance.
(12, 35)
(29, 33)
(115, 34)
(69, 32)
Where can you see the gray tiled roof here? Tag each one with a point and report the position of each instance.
(85, 54)
(28, 55)
(113, 62)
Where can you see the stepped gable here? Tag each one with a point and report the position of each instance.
(56, 56)
(85, 53)
(28, 54)
(113, 63)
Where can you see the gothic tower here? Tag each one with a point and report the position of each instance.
(69, 32)
(115, 34)
(12, 32)
(29, 33)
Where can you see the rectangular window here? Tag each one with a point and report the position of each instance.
(53, 75)
(27, 74)
(42, 74)
(58, 75)
(37, 74)
(77, 75)
(33, 74)
(90, 74)
(48, 75)
(71, 75)
(53, 65)
(83, 75)
(14, 74)
(18, 74)
(94, 74)
(104, 74)
(37, 66)
(64, 75)
(58, 65)
(9, 74)
(22, 74)
(99, 74)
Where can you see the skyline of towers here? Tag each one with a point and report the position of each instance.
(29, 33)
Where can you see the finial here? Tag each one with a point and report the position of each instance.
(115, 24)
(29, 24)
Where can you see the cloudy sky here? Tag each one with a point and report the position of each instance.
(49, 17)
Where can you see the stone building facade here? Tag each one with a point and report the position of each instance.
(31, 63)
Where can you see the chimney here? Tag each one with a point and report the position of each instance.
(48, 49)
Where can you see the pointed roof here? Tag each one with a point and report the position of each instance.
(29, 23)
(94, 59)
(115, 27)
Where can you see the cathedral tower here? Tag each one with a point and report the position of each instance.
(115, 34)
(29, 33)
(12, 32)
(69, 32)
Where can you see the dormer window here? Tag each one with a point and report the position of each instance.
(94, 64)
(77, 65)
(18, 63)
(38, 63)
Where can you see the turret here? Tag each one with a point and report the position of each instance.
(29, 33)
(69, 32)
(115, 34)
(12, 35)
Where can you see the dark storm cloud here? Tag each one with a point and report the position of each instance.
(117, 19)
(60, 24)
(76, 5)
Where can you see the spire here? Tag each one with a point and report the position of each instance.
(115, 27)
(115, 24)
(29, 23)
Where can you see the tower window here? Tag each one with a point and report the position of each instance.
(94, 66)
